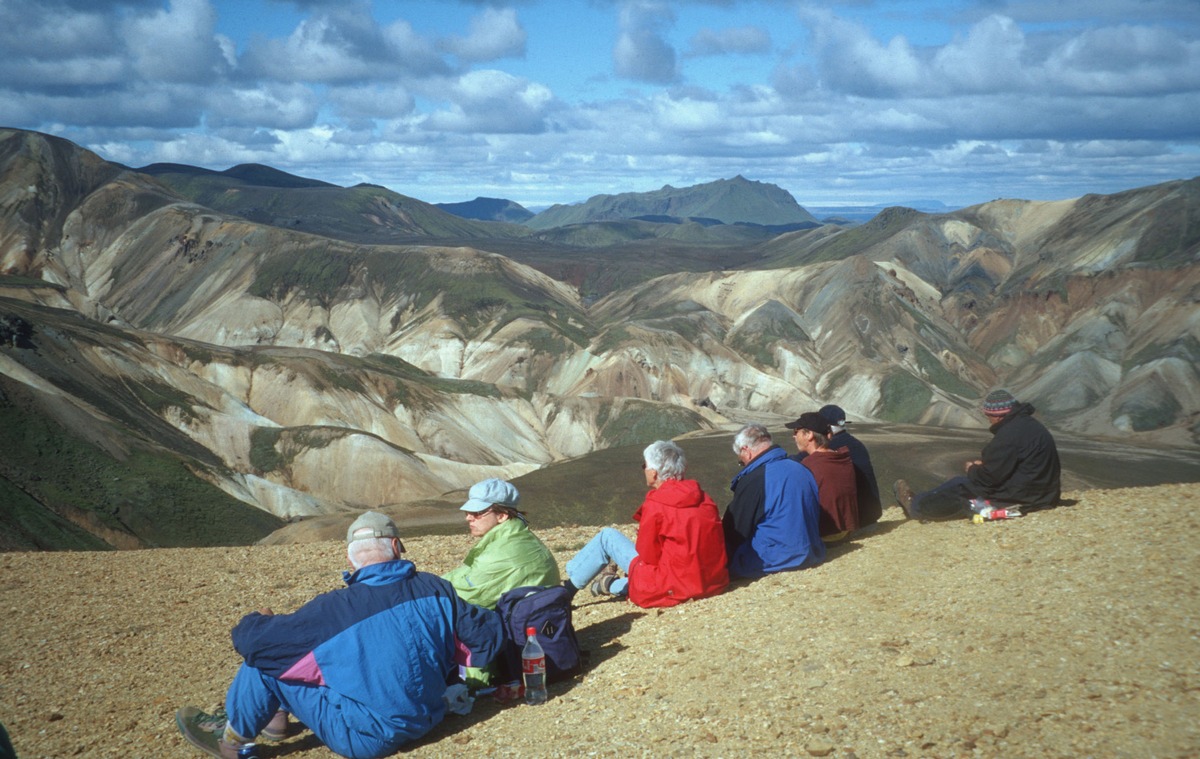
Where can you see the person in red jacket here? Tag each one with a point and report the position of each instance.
(680, 548)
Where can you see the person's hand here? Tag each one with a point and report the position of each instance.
(266, 612)
(970, 464)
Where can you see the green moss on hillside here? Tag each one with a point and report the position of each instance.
(903, 398)
(315, 273)
(26, 525)
(149, 494)
(942, 377)
(264, 453)
(884, 225)
(643, 422)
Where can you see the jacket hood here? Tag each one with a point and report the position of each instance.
(677, 494)
(1021, 409)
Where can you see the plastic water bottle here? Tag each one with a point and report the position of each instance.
(533, 668)
(991, 514)
(979, 505)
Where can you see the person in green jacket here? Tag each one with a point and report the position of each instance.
(508, 554)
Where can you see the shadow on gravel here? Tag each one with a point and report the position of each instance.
(601, 641)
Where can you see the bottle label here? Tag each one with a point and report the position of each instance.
(533, 666)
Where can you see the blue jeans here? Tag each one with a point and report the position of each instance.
(610, 544)
(946, 501)
(342, 724)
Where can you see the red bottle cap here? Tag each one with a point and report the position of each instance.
(530, 631)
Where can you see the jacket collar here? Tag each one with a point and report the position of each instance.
(383, 573)
(771, 454)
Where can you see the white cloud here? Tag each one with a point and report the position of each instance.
(176, 44)
(272, 106)
(880, 105)
(372, 101)
(989, 59)
(343, 45)
(494, 102)
(494, 33)
(641, 52)
(745, 40)
(1126, 60)
(852, 61)
(687, 115)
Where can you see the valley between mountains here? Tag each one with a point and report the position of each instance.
(192, 357)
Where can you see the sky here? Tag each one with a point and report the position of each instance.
(553, 101)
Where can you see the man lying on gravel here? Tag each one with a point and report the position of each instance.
(364, 667)
(1019, 466)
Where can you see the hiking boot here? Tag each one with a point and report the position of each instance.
(904, 496)
(602, 585)
(208, 733)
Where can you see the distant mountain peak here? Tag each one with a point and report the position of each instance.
(729, 201)
(488, 209)
(265, 176)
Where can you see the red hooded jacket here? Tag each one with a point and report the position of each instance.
(680, 546)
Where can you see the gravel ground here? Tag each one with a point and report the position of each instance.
(1071, 632)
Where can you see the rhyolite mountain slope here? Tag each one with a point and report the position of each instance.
(728, 201)
(317, 374)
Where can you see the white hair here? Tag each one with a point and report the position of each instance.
(369, 551)
(751, 436)
(666, 458)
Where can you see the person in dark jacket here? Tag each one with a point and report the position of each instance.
(870, 506)
(364, 667)
(773, 520)
(1019, 466)
(834, 472)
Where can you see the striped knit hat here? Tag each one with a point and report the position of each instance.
(999, 402)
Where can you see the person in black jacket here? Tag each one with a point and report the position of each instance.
(1019, 466)
(870, 505)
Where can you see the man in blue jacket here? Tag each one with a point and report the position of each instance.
(364, 667)
(772, 522)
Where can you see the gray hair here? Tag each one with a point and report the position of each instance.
(666, 458)
(369, 551)
(751, 436)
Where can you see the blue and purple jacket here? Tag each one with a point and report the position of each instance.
(391, 640)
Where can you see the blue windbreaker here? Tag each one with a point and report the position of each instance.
(772, 522)
(390, 640)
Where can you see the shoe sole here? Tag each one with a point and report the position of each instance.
(185, 720)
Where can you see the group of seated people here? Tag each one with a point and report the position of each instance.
(335, 663)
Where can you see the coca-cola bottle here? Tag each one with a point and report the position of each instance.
(533, 668)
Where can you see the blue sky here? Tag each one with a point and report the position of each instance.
(544, 102)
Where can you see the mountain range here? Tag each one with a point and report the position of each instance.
(194, 357)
